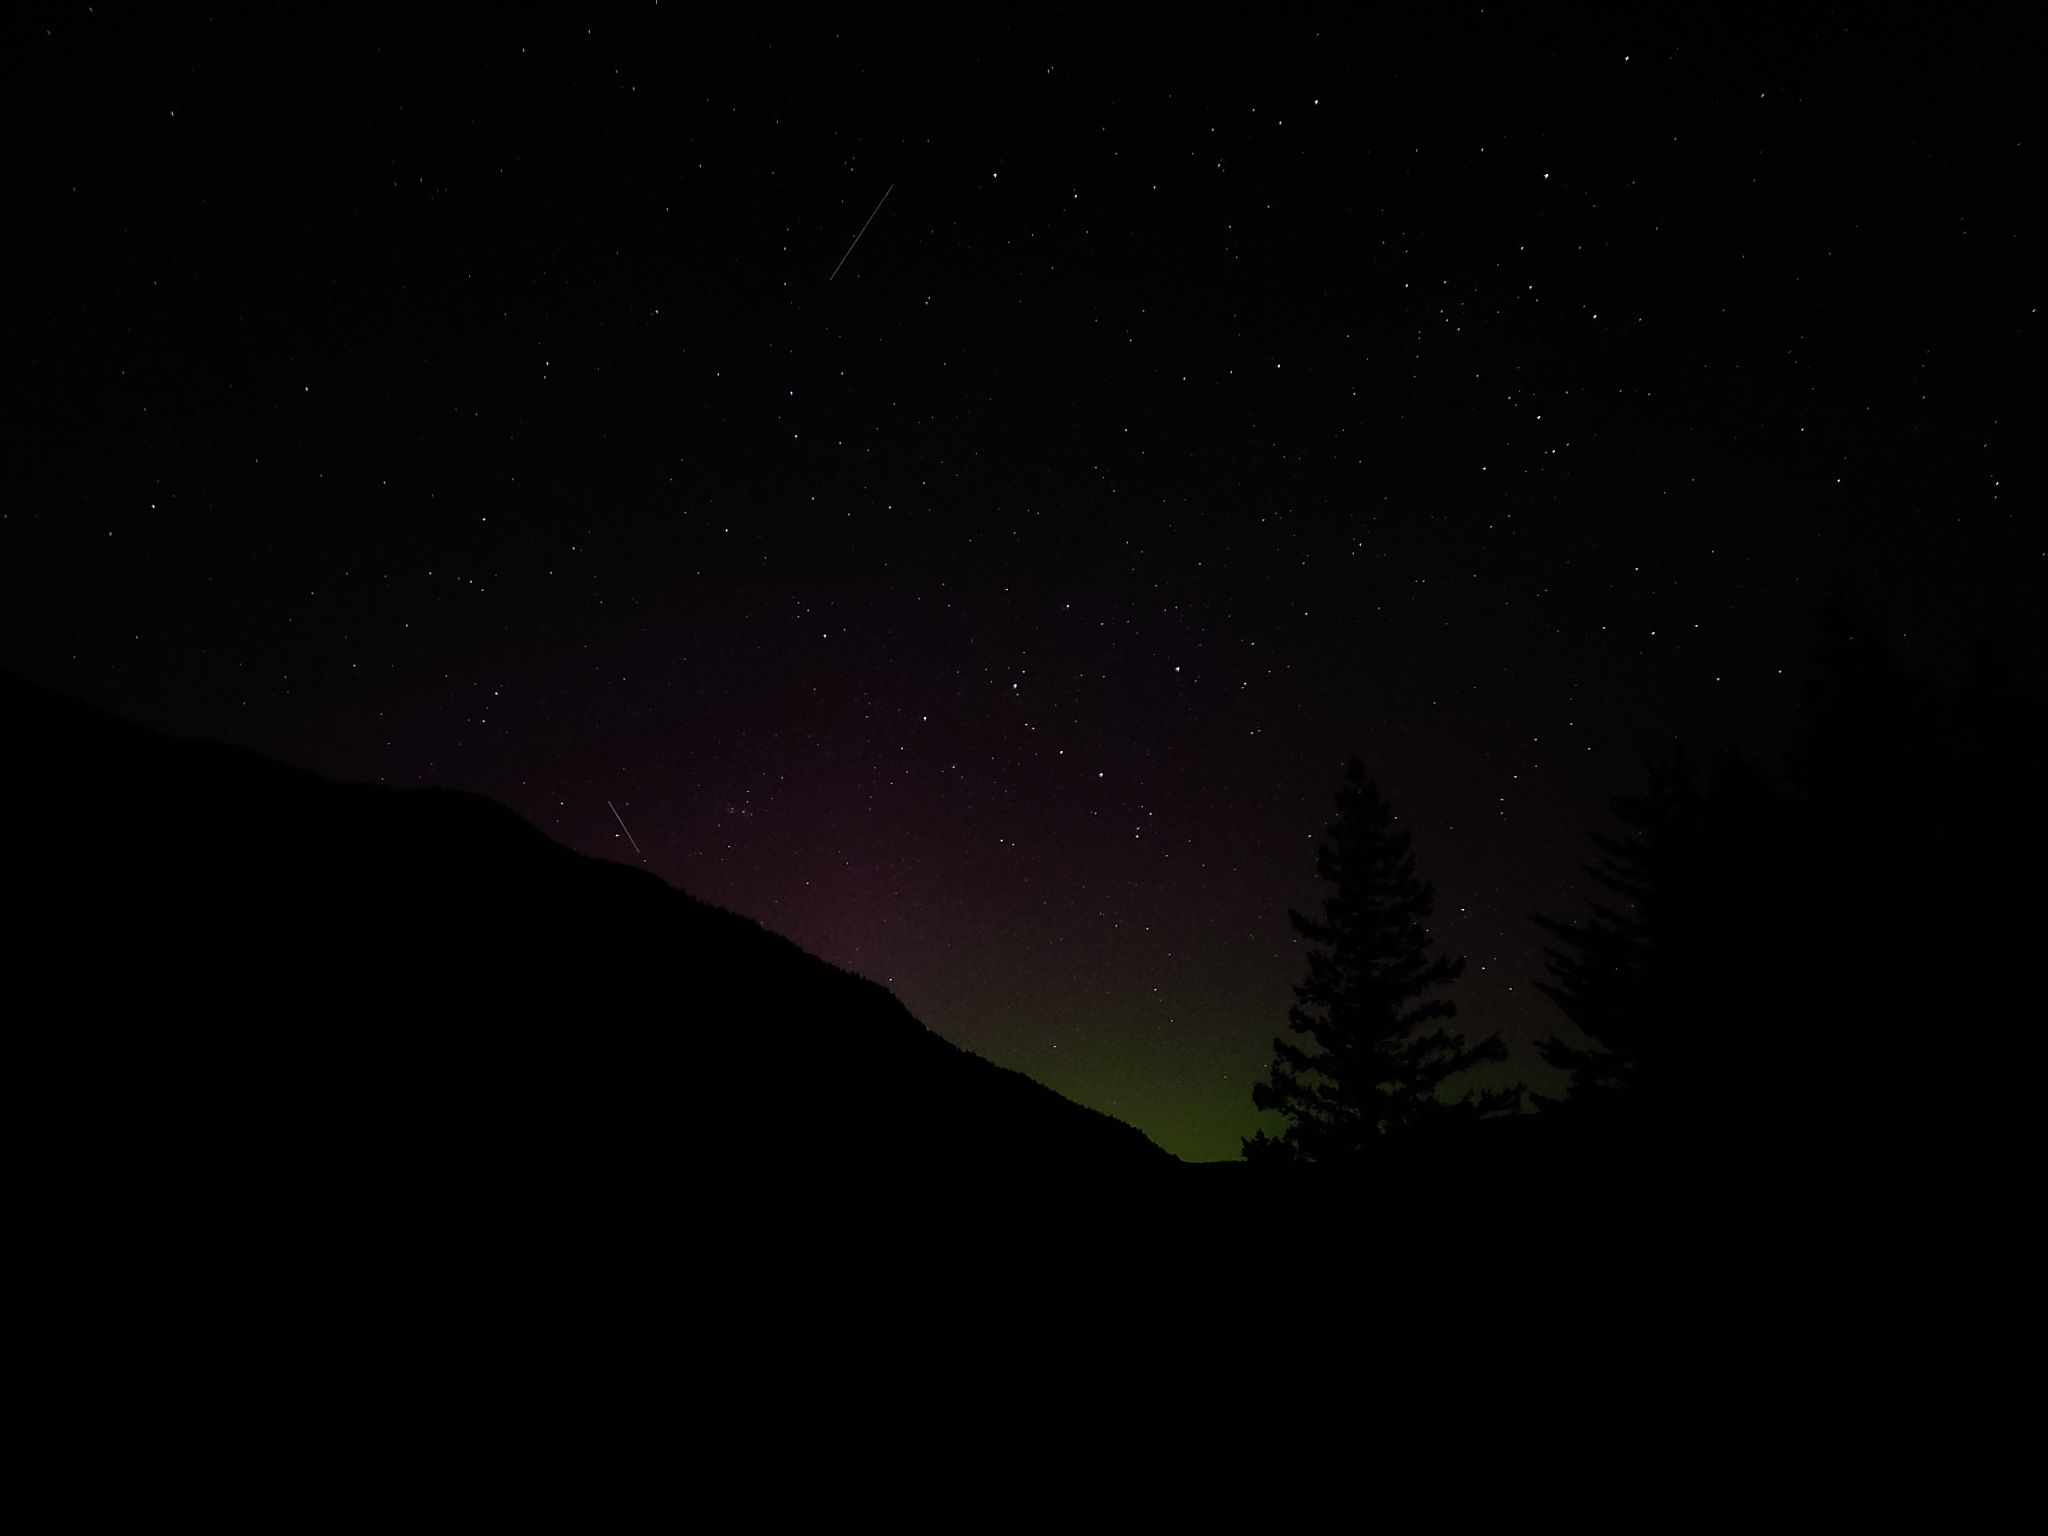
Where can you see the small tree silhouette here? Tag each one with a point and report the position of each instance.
(1615, 973)
(1685, 949)
(1366, 1002)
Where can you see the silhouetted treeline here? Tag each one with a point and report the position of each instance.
(363, 1139)
(1801, 1084)
(1834, 944)
(1759, 1268)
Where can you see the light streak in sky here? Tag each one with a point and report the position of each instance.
(863, 230)
(623, 827)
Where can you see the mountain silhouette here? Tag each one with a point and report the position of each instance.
(347, 1116)
(373, 1157)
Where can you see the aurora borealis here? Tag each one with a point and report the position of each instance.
(991, 613)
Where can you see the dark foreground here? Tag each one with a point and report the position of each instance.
(355, 1180)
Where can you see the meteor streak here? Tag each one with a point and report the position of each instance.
(863, 230)
(623, 827)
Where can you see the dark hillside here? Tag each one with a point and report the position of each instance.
(372, 1147)
(368, 1146)
(313, 1082)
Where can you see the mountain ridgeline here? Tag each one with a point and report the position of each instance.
(368, 1146)
(318, 1091)
(367, 1149)
(307, 996)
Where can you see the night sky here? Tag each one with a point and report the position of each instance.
(989, 604)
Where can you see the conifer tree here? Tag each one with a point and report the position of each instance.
(1613, 971)
(1374, 1055)
(1755, 950)
(1676, 976)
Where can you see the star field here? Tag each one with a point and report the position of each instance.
(991, 613)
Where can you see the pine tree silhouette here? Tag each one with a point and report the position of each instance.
(1611, 972)
(1677, 980)
(1804, 1000)
(1373, 989)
